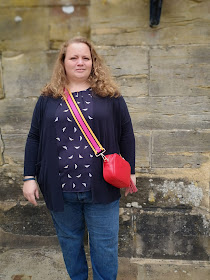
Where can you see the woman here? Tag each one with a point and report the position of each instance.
(67, 171)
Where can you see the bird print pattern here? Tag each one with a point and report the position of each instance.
(74, 153)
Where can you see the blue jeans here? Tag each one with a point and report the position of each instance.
(102, 222)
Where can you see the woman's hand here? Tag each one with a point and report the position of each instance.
(133, 178)
(31, 191)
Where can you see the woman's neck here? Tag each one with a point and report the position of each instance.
(78, 86)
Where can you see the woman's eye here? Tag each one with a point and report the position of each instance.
(86, 58)
(72, 58)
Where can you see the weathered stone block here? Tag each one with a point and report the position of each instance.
(143, 141)
(11, 184)
(180, 148)
(178, 159)
(127, 23)
(126, 233)
(172, 236)
(163, 193)
(179, 71)
(168, 113)
(26, 219)
(134, 85)
(126, 61)
(29, 71)
(119, 22)
(23, 29)
(185, 141)
(14, 146)
(16, 114)
(22, 224)
(167, 235)
(75, 23)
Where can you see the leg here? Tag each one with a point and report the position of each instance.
(103, 226)
(70, 227)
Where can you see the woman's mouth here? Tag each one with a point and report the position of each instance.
(80, 70)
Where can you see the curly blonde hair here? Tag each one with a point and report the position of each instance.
(100, 78)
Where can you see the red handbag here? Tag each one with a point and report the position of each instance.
(116, 170)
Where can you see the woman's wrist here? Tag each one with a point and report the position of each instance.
(28, 178)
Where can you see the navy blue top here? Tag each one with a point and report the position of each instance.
(111, 125)
(74, 153)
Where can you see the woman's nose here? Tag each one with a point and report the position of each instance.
(80, 61)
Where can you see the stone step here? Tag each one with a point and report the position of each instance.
(46, 263)
(162, 269)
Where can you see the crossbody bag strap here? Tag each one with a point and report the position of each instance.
(82, 123)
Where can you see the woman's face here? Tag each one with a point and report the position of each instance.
(78, 62)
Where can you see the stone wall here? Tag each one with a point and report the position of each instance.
(31, 33)
(163, 73)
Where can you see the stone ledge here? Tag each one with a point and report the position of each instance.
(47, 263)
(143, 261)
(40, 3)
(10, 240)
(160, 269)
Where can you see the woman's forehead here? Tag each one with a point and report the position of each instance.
(78, 48)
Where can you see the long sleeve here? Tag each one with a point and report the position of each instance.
(32, 142)
(127, 139)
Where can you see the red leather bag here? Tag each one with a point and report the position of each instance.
(116, 171)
